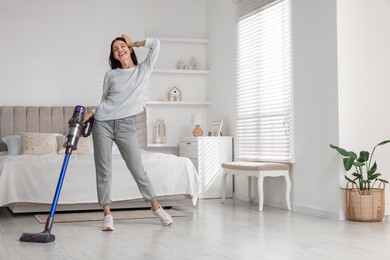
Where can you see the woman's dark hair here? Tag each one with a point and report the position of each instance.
(114, 63)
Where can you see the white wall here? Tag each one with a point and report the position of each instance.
(315, 173)
(364, 54)
(221, 55)
(56, 52)
(175, 18)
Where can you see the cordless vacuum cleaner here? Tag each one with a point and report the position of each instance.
(76, 129)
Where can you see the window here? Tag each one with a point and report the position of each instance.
(264, 82)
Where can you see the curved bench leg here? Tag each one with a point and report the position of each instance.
(223, 186)
(288, 190)
(260, 183)
(250, 188)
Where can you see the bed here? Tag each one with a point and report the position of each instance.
(28, 176)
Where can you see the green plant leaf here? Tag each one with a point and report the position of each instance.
(383, 180)
(383, 142)
(341, 151)
(363, 156)
(359, 164)
(348, 162)
(374, 176)
(348, 179)
(357, 175)
(372, 170)
(344, 152)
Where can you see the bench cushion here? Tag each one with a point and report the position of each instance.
(256, 166)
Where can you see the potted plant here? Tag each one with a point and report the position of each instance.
(365, 188)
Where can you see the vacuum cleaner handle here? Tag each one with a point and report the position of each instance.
(75, 129)
(87, 127)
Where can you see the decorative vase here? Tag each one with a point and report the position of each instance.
(162, 132)
(195, 64)
(157, 137)
(197, 131)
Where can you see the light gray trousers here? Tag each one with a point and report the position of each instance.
(123, 133)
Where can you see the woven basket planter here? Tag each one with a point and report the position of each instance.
(366, 205)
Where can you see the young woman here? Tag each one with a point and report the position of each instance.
(123, 94)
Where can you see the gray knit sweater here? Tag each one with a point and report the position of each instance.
(123, 89)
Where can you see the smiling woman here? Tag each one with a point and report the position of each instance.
(123, 95)
(121, 48)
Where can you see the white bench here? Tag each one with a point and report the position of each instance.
(259, 170)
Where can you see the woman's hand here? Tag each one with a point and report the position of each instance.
(128, 40)
(88, 116)
(132, 44)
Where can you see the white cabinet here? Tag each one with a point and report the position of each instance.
(191, 83)
(207, 154)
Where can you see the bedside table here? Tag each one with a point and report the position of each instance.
(207, 153)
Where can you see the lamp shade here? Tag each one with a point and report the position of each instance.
(196, 119)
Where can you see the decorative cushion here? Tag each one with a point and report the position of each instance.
(39, 143)
(14, 144)
(84, 146)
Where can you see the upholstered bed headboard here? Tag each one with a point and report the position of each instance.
(43, 119)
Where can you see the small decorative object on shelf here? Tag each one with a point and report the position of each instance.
(157, 138)
(188, 66)
(195, 64)
(163, 132)
(160, 132)
(180, 65)
(175, 94)
(211, 134)
(192, 65)
(197, 120)
(197, 131)
(216, 127)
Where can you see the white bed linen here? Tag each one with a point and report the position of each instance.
(33, 178)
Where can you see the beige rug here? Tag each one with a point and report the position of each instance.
(97, 216)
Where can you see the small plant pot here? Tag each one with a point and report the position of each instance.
(366, 205)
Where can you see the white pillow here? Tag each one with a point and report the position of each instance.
(39, 143)
(14, 144)
(84, 146)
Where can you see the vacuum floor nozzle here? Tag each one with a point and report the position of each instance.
(37, 237)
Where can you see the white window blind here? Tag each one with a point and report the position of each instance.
(264, 82)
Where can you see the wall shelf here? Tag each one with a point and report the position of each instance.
(162, 145)
(181, 40)
(177, 103)
(174, 71)
(192, 83)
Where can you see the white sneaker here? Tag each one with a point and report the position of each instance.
(108, 223)
(164, 217)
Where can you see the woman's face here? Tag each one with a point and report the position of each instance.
(121, 50)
